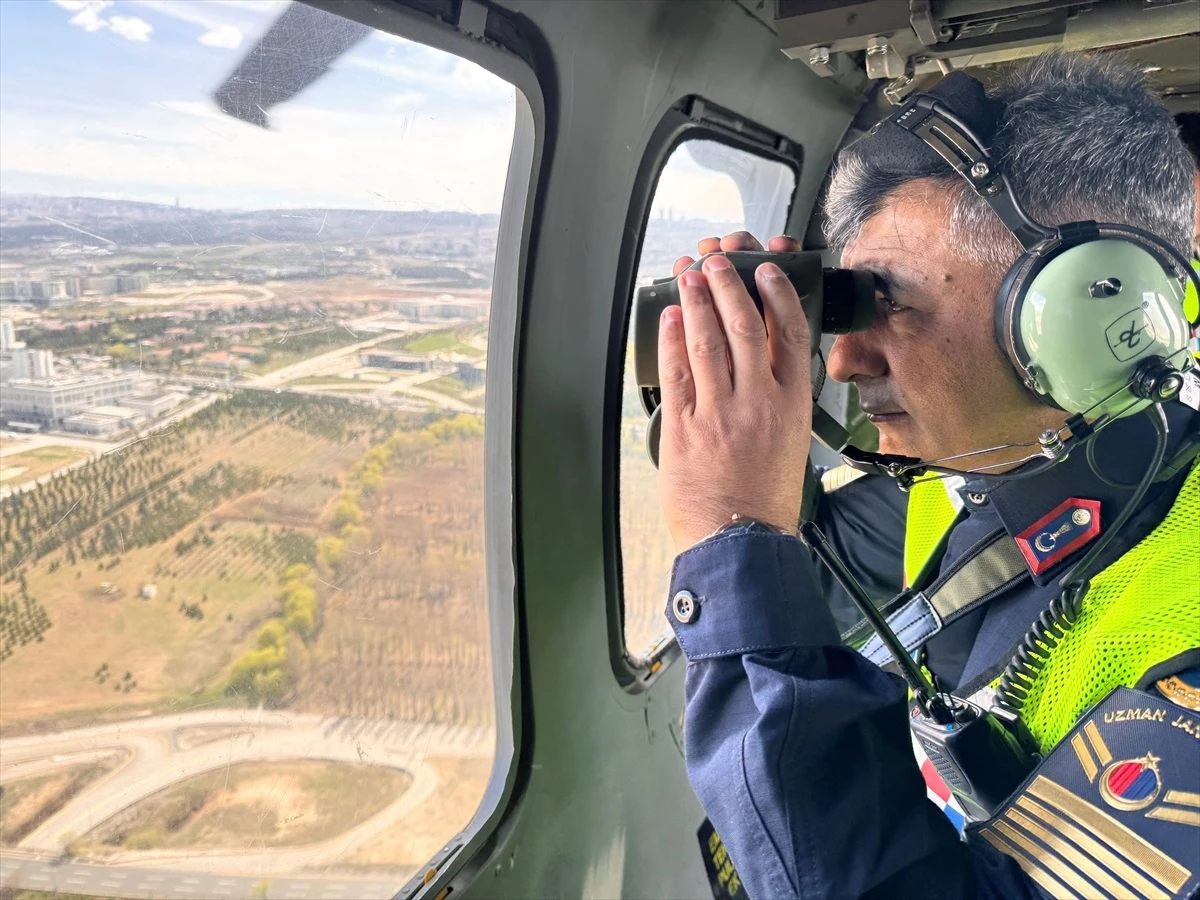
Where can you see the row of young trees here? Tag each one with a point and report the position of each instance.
(145, 492)
(268, 672)
(410, 639)
(22, 621)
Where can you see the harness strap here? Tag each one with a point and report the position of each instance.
(978, 576)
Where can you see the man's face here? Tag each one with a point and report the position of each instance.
(929, 373)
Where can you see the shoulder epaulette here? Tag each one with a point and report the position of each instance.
(839, 477)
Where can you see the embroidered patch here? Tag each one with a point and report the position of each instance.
(722, 876)
(1130, 784)
(1059, 533)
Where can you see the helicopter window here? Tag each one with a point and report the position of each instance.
(248, 253)
(706, 189)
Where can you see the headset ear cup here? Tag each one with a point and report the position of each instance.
(1089, 314)
(1007, 319)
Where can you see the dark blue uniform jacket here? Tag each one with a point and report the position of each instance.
(798, 747)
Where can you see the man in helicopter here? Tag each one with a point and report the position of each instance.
(1072, 587)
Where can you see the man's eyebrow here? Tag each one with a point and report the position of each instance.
(892, 280)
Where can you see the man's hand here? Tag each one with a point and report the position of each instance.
(736, 397)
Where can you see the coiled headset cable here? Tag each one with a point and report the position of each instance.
(1064, 610)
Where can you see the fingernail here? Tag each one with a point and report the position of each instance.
(770, 270)
(691, 278)
(714, 263)
(671, 316)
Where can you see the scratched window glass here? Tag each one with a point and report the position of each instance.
(706, 189)
(246, 256)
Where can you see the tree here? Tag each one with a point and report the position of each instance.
(347, 512)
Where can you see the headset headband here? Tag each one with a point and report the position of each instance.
(929, 119)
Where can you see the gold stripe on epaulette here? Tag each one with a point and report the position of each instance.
(839, 477)
(1141, 884)
(1171, 814)
(1049, 883)
(1098, 744)
(1085, 758)
(1047, 859)
(1071, 854)
(1183, 798)
(1128, 843)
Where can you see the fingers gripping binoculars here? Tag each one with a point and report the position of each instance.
(835, 301)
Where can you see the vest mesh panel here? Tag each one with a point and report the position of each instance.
(930, 513)
(1140, 611)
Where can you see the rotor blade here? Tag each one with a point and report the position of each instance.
(297, 49)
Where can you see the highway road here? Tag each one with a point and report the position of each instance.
(159, 751)
(328, 363)
(19, 870)
(409, 385)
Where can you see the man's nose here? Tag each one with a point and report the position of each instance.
(855, 354)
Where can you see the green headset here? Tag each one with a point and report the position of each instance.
(1091, 315)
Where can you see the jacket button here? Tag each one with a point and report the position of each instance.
(685, 607)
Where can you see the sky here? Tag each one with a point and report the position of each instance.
(112, 98)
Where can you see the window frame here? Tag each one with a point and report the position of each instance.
(501, 43)
(688, 119)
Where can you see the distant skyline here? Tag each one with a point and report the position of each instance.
(112, 99)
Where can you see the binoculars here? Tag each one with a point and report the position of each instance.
(835, 301)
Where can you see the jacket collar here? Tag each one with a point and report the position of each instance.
(1064, 498)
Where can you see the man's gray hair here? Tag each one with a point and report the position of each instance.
(1079, 137)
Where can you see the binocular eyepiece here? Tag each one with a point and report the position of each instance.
(835, 301)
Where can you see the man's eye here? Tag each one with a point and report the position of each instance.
(890, 306)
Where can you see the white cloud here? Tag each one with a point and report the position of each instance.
(183, 10)
(89, 20)
(131, 28)
(88, 17)
(224, 36)
(80, 5)
(87, 13)
(224, 31)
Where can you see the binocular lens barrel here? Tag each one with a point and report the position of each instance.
(835, 301)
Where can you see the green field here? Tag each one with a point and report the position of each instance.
(448, 385)
(333, 383)
(29, 465)
(100, 309)
(447, 341)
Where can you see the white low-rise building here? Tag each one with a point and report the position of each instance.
(52, 400)
(153, 405)
(104, 420)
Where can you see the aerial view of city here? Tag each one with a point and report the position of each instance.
(242, 485)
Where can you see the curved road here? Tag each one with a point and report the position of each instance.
(163, 750)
